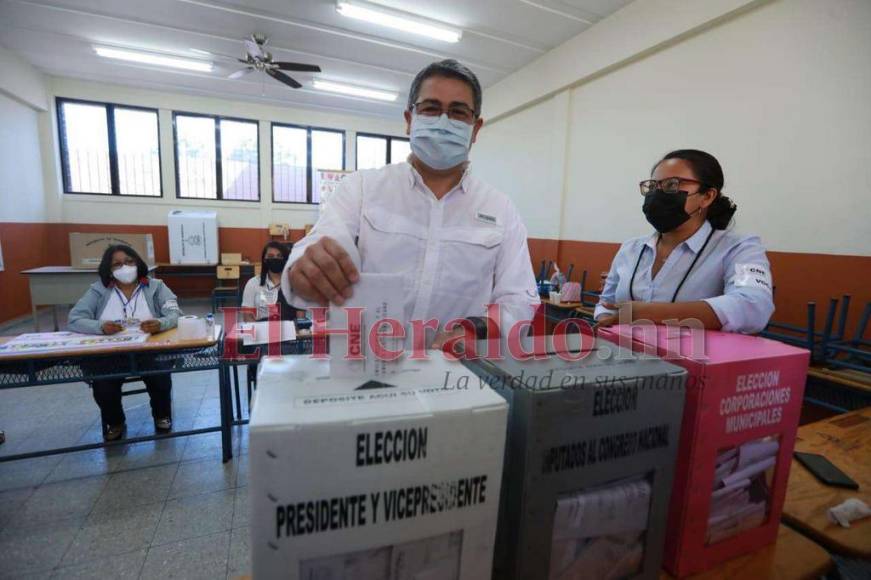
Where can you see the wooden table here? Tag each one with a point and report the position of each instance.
(846, 441)
(59, 286)
(246, 270)
(20, 370)
(792, 557)
(166, 340)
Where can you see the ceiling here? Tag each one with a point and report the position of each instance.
(499, 36)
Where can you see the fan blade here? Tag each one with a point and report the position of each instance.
(298, 66)
(220, 55)
(253, 48)
(241, 73)
(280, 76)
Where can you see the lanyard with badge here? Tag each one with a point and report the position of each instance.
(685, 276)
(128, 319)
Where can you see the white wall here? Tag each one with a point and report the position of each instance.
(119, 210)
(22, 196)
(780, 94)
(523, 155)
(21, 81)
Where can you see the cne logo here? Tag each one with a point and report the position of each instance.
(354, 340)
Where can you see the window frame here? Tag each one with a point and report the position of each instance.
(389, 138)
(309, 177)
(114, 176)
(219, 175)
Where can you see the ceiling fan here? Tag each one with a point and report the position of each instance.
(257, 58)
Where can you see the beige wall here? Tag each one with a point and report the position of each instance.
(779, 93)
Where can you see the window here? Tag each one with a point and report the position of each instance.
(374, 151)
(109, 149)
(216, 158)
(297, 154)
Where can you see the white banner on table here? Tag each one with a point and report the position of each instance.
(264, 332)
(40, 342)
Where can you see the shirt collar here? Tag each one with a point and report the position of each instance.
(414, 177)
(697, 240)
(694, 242)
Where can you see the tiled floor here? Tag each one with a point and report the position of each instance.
(167, 509)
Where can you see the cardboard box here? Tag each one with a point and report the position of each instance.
(744, 396)
(279, 229)
(227, 272)
(193, 237)
(86, 250)
(589, 463)
(231, 259)
(352, 479)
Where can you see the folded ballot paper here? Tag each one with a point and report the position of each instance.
(376, 297)
(600, 533)
(741, 493)
(380, 297)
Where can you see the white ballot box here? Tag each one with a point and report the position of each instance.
(193, 237)
(365, 479)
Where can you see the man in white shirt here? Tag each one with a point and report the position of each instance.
(460, 244)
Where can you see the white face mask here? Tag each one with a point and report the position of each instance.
(440, 142)
(125, 274)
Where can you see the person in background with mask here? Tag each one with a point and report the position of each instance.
(264, 291)
(125, 298)
(693, 267)
(460, 243)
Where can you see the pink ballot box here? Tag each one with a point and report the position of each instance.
(740, 418)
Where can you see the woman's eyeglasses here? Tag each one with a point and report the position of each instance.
(127, 262)
(668, 185)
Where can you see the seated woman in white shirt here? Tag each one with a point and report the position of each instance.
(695, 266)
(264, 291)
(125, 297)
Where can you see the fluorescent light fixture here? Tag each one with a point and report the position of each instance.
(354, 91)
(152, 58)
(398, 20)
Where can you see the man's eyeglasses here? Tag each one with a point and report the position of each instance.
(455, 111)
(668, 185)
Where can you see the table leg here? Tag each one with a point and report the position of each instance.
(54, 315)
(35, 318)
(226, 412)
(236, 392)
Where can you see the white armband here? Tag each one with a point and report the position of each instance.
(752, 276)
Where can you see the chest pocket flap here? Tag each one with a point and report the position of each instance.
(391, 223)
(484, 237)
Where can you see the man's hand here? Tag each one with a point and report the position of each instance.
(150, 326)
(443, 336)
(110, 327)
(324, 273)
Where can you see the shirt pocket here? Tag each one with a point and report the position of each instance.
(468, 260)
(390, 243)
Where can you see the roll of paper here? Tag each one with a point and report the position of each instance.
(191, 328)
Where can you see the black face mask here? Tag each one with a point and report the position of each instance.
(665, 211)
(274, 265)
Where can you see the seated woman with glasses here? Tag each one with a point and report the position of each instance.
(125, 298)
(694, 266)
